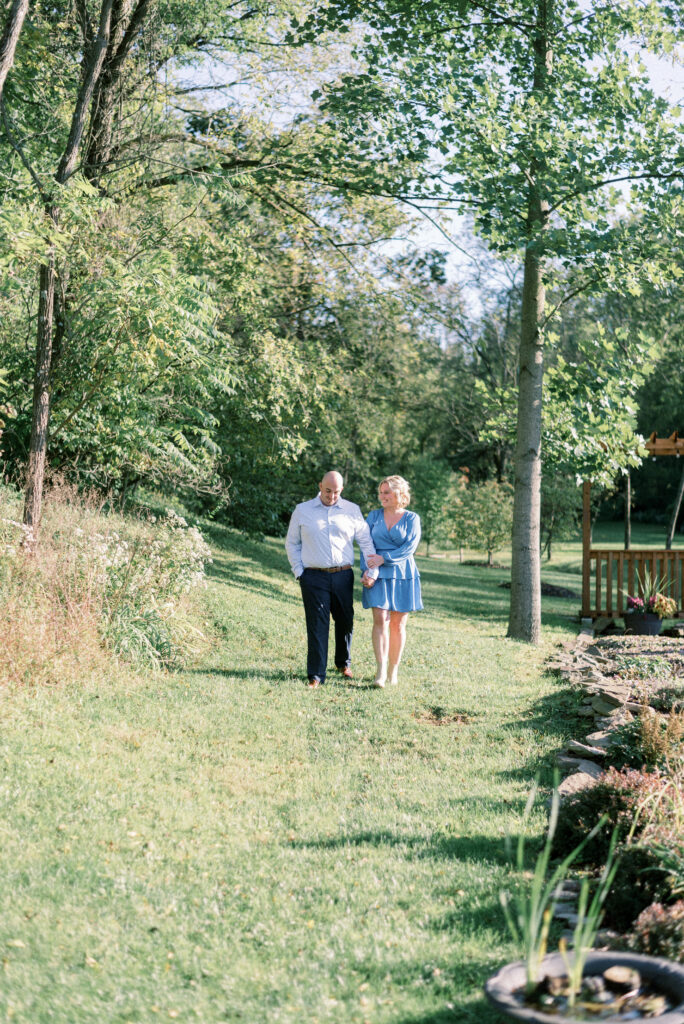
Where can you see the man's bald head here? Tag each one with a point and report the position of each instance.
(331, 487)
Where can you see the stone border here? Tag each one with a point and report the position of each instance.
(606, 706)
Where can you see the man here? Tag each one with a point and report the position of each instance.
(320, 548)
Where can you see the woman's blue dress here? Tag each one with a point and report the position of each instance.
(397, 588)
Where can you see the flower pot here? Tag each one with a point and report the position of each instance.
(663, 975)
(642, 623)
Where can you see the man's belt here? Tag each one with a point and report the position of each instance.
(329, 568)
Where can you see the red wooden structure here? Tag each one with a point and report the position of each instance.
(608, 572)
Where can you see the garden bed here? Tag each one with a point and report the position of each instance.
(629, 765)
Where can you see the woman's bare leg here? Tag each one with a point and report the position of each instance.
(397, 639)
(381, 619)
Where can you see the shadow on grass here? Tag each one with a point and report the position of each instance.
(556, 715)
(479, 1012)
(243, 580)
(464, 591)
(440, 847)
(275, 676)
(463, 975)
(284, 676)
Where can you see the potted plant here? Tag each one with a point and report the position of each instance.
(644, 615)
(660, 994)
(571, 988)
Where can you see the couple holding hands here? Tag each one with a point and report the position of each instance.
(320, 549)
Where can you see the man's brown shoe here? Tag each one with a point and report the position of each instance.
(346, 672)
(313, 682)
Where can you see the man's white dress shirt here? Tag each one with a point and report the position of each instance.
(322, 536)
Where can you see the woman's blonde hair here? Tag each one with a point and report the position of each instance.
(400, 488)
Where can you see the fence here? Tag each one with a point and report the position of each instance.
(608, 575)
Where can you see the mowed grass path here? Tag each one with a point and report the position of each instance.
(226, 845)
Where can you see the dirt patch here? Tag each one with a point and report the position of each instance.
(549, 590)
(440, 716)
(485, 565)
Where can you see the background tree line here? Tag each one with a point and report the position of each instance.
(213, 270)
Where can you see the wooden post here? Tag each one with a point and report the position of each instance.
(586, 548)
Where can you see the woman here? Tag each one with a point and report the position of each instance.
(396, 590)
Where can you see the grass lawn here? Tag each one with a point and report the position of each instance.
(225, 845)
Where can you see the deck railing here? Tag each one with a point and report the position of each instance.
(610, 574)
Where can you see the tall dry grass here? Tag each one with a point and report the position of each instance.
(95, 584)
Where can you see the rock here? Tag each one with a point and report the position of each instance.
(562, 908)
(618, 716)
(575, 783)
(568, 887)
(593, 984)
(622, 979)
(593, 753)
(599, 739)
(603, 625)
(592, 675)
(569, 916)
(567, 763)
(586, 712)
(590, 768)
(603, 705)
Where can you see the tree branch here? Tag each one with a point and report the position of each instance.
(10, 38)
(17, 147)
(92, 71)
(595, 186)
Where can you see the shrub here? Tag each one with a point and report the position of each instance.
(649, 741)
(640, 879)
(659, 931)
(665, 697)
(619, 795)
(647, 810)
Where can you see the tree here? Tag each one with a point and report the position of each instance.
(91, 68)
(539, 111)
(488, 515)
(432, 484)
(561, 510)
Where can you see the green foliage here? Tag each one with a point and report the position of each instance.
(589, 409)
(589, 917)
(530, 920)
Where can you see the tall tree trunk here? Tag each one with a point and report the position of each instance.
(10, 38)
(675, 513)
(628, 511)
(41, 396)
(40, 423)
(524, 621)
